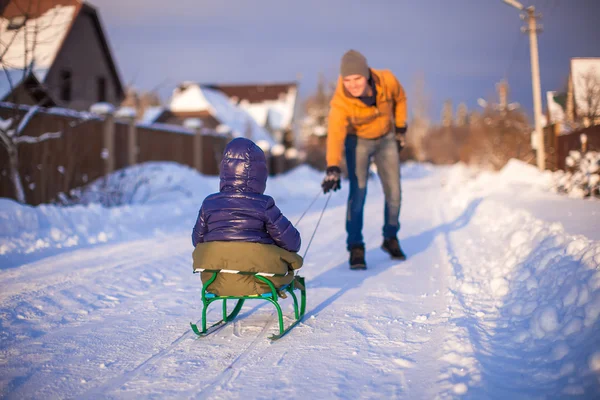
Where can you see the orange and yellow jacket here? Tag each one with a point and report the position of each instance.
(349, 115)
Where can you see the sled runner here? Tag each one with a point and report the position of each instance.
(272, 296)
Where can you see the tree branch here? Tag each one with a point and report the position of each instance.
(38, 139)
(30, 113)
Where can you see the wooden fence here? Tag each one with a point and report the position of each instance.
(559, 145)
(91, 146)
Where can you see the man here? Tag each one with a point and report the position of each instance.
(368, 120)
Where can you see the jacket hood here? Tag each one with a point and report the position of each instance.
(243, 167)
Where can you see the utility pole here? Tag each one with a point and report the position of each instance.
(533, 30)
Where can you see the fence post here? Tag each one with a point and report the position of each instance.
(278, 152)
(266, 148)
(291, 158)
(132, 149)
(129, 114)
(196, 125)
(583, 139)
(108, 134)
(223, 133)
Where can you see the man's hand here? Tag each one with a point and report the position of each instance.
(332, 179)
(401, 137)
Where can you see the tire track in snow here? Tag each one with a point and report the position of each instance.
(62, 296)
(230, 374)
(117, 382)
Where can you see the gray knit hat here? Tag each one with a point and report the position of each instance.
(354, 63)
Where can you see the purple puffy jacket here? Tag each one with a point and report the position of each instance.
(240, 211)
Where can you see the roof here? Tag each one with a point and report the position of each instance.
(254, 93)
(52, 20)
(191, 98)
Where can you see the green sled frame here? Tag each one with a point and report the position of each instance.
(272, 297)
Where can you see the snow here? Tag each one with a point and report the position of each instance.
(43, 37)
(241, 124)
(168, 127)
(193, 123)
(499, 297)
(278, 150)
(264, 145)
(556, 111)
(191, 97)
(278, 114)
(292, 153)
(151, 114)
(102, 108)
(126, 112)
(258, 111)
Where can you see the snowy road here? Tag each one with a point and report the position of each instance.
(491, 303)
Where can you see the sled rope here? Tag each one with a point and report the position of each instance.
(317, 227)
(308, 208)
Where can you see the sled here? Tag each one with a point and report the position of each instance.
(272, 296)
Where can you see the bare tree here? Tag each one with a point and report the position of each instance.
(314, 122)
(11, 138)
(496, 137)
(588, 98)
(419, 102)
(21, 36)
(489, 139)
(140, 101)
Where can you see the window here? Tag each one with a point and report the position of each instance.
(66, 85)
(16, 22)
(101, 88)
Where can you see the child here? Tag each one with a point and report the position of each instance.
(240, 228)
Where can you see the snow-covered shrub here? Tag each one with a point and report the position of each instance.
(134, 185)
(582, 178)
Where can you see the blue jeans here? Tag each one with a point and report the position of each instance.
(384, 152)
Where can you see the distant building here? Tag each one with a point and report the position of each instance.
(272, 105)
(56, 54)
(579, 106)
(213, 108)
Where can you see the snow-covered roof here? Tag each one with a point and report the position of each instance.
(35, 42)
(555, 109)
(259, 112)
(192, 97)
(269, 104)
(39, 39)
(188, 97)
(151, 114)
(585, 75)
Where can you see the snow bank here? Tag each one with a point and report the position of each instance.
(528, 291)
(535, 305)
(515, 176)
(153, 198)
(158, 198)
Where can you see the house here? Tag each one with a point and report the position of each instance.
(55, 53)
(272, 105)
(213, 108)
(580, 105)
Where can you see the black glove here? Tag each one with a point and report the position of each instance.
(332, 180)
(401, 137)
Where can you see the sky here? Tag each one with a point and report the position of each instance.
(460, 48)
